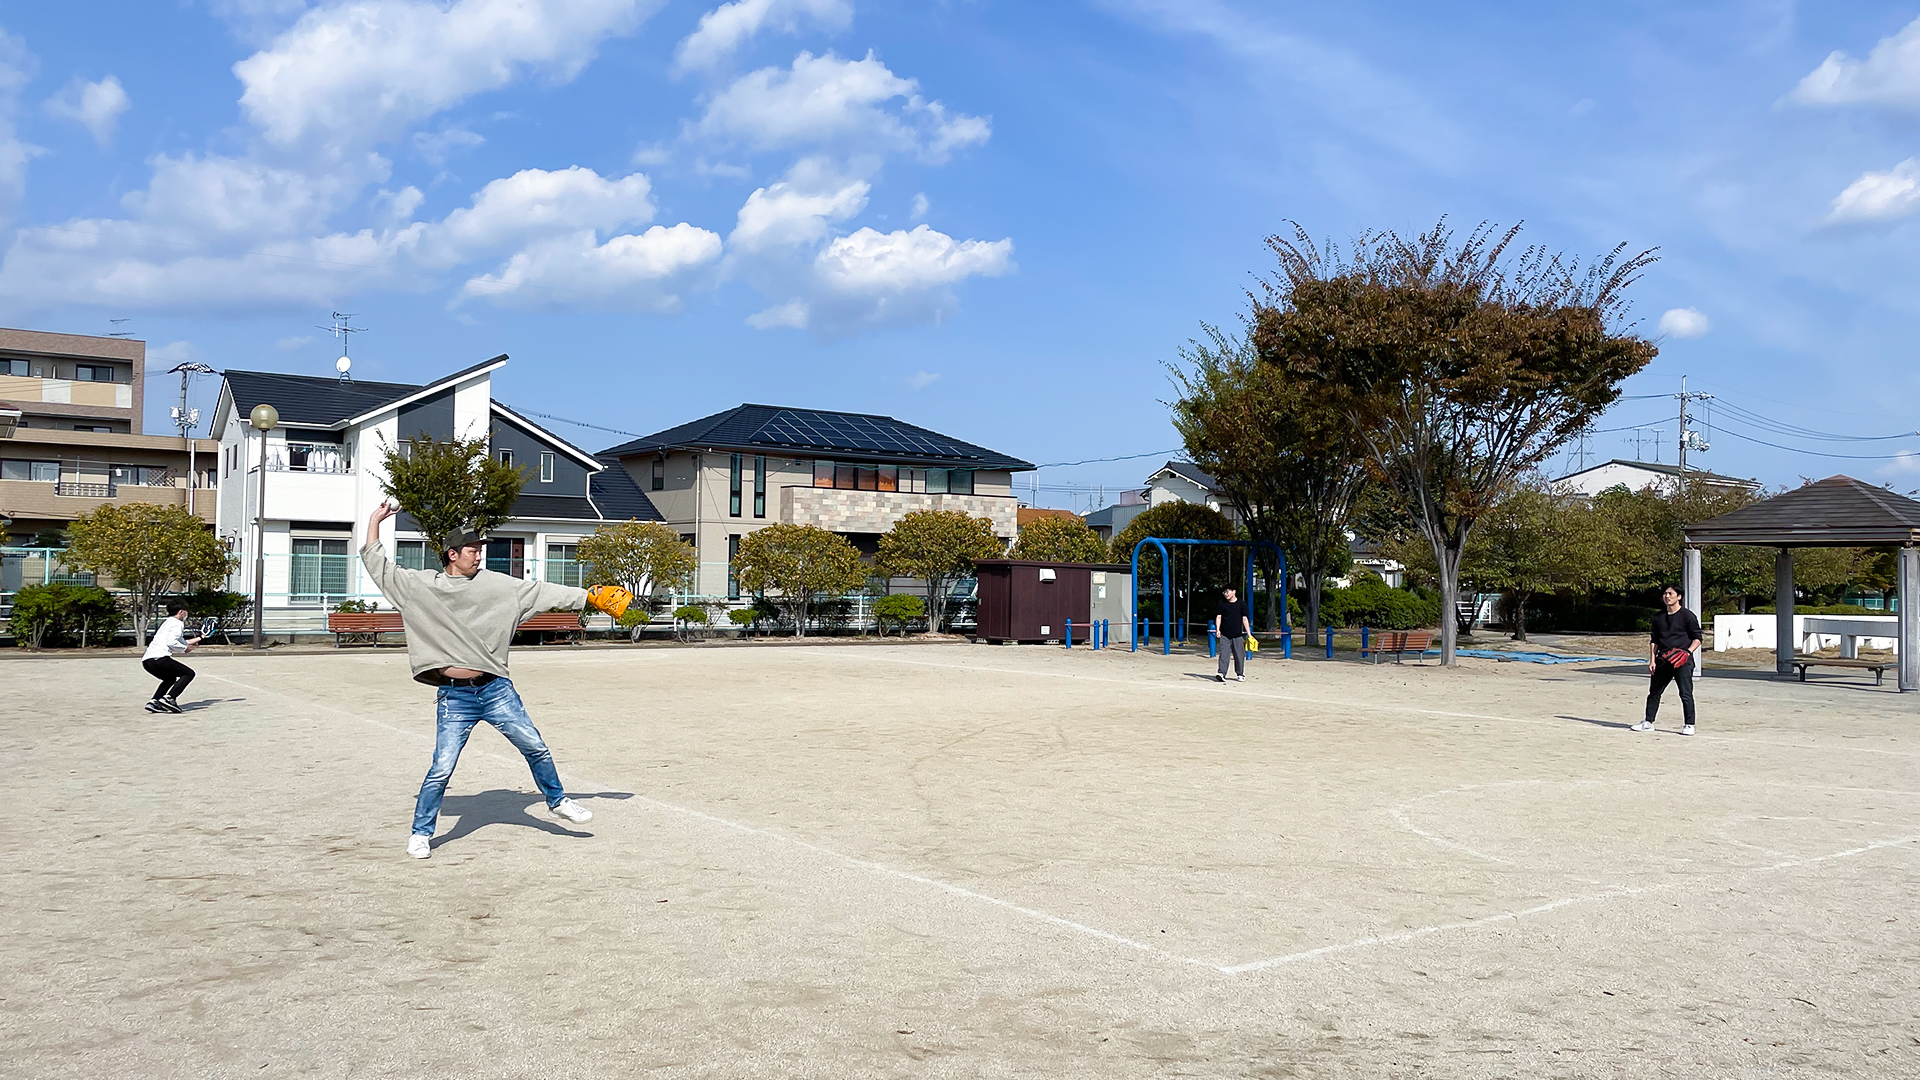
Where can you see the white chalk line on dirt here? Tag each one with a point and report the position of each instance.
(1191, 686)
(1090, 931)
(753, 830)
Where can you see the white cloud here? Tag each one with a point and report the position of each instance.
(786, 213)
(828, 102)
(920, 380)
(1890, 75)
(289, 344)
(434, 148)
(919, 208)
(217, 196)
(1879, 196)
(627, 273)
(257, 22)
(872, 279)
(95, 106)
(17, 68)
(1684, 322)
(792, 314)
(728, 26)
(535, 202)
(174, 352)
(355, 73)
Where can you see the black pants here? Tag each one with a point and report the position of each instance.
(174, 676)
(1664, 673)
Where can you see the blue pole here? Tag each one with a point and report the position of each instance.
(1329, 633)
(1363, 641)
(1166, 600)
(1286, 644)
(1069, 633)
(1210, 642)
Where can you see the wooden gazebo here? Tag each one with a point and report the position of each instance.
(1836, 512)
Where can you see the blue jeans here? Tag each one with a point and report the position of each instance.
(458, 709)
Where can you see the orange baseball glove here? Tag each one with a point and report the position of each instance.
(611, 599)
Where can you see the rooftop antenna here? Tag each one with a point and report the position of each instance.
(116, 331)
(341, 330)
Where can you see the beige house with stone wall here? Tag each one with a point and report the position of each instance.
(719, 478)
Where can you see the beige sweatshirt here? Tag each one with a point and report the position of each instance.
(452, 621)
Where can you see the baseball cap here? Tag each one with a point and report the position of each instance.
(460, 538)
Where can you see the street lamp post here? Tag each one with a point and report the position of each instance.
(264, 418)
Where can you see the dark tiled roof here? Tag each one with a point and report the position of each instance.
(1837, 511)
(617, 496)
(1191, 472)
(309, 399)
(807, 432)
(566, 507)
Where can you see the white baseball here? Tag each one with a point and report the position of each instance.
(393, 503)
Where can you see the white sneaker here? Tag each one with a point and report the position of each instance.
(1644, 725)
(419, 847)
(1687, 730)
(572, 811)
(1239, 678)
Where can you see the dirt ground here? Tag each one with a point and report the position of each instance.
(960, 861)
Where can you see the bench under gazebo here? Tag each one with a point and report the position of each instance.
(1836, 512)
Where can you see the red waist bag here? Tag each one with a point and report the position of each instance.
(1677, 658)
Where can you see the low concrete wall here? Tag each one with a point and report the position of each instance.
(1757, 632)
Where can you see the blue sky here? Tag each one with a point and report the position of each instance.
(995, 219)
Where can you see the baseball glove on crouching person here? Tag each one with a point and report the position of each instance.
(611, 599)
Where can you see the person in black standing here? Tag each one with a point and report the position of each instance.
(1231, 625)
(1670, 654)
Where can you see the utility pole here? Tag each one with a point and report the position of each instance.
(1690, 438)
(186, 420)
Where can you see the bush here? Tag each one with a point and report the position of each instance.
(691, 613)
(833, 614)
(898, 610)
(1372, 602)
(352, 607)
(743, 617)
(1821, 609)
(60, 614)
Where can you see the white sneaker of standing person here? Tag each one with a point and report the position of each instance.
(1644, 725)
(419, 847)
(1687, 730)
(572, 811)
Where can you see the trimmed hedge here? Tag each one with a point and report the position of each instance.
(1376, 604)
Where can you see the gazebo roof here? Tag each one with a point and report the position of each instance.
(1836, 512)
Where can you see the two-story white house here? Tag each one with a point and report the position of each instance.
(718, 478)
(323, 477)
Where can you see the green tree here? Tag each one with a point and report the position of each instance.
(1207, 567)
(795, 562)
(58, 612)
(1288, 460)
(1460, 367)
(451, 484)
(1537, 541)
(898, 610)
(937, 546)
(1059, 539)
(149, 551)
(638, 556)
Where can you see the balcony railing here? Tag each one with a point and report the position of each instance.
(85, 490)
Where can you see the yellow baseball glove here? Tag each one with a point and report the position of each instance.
(611, 599)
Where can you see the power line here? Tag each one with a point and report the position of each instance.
(1817, 453)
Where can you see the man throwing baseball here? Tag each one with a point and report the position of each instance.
(459, 623)
(1670, 652)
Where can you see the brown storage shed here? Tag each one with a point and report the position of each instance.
(1022, 600)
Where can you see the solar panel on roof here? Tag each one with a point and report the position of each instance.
(842, 431)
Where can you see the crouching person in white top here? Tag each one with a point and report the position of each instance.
(170, 639)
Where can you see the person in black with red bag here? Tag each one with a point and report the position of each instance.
(1676, 639)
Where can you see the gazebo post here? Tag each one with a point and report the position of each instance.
(1690, 588)
(1783, 643)
(1909, 643)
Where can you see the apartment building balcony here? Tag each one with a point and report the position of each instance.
(64, 500)
(100, 393)
(844, 510)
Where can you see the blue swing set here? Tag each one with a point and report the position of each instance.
(1143, 628)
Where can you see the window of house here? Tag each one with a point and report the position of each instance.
(760, 486)
(889, 478)
(563, 564)
(936, 481)
(846, 477)
(14, 367)
(100, 428)
(959, 481)
(913, 479)
(413, 555)
(546, 467)
(319, 571)
(659, 474)
(823, 474)
(733, 488)
(41, 471)
(505, 456)
(92, 373)
(733, 554)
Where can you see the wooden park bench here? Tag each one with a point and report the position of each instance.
(1399, 643)
(362, 624)
(548, 623)
(1878, 667)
